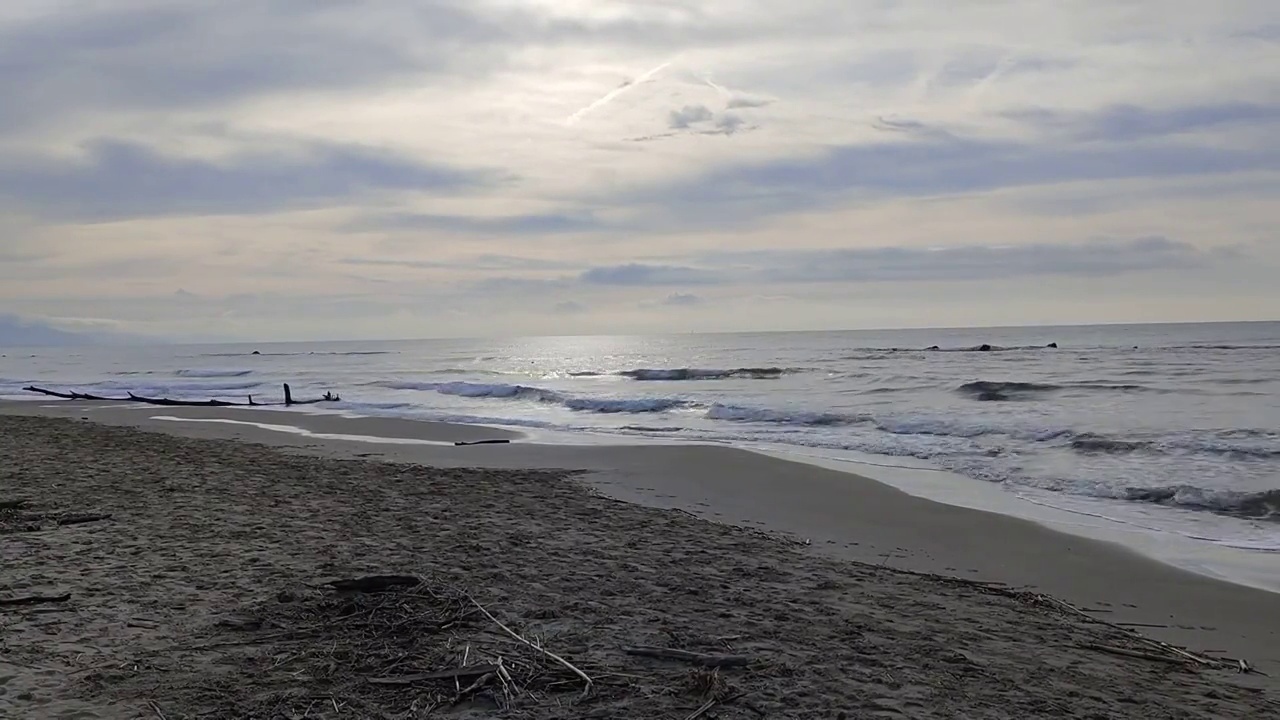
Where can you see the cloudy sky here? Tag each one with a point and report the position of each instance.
(301, 169)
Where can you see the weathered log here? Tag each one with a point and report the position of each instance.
(182, 403)
(288, 397)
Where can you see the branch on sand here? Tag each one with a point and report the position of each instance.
(288, 399)
(588, 682)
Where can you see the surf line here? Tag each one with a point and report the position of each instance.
(294, 430)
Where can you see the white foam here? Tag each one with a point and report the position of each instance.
(1251, 561)
(295, 430)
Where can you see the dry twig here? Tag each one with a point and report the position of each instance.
(589, 683)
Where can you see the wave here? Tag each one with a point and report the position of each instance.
(995, 390)
(1223, 443)
(736, 413)
(212, 373)
(1095, 444)
(1263, 505)
(611, 406)
(747, 373)
(998, 391)
(528, 392)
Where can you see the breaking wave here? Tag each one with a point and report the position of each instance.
(746, 373)
(735, 413)
(1264, 505)
(1225, 443)
(611, 406)
(527, 392)
(994, 390)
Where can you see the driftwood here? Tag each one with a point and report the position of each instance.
(702, 659)
(34, 600)
(482, 442)
(1138, 654)
(288, 399)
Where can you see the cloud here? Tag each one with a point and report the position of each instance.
(569, 307)
(1121, 123)
(31, 332)
(746, 101)
(115, 180)
(637, 274)
(528, 224)
(472, 262)
(410, 167)
(689, 115)
(1094, 258)
(940, 165)
(729, 123)
(146, 55)
(682, 300)
(142, 54)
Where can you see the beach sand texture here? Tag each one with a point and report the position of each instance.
(201, 596)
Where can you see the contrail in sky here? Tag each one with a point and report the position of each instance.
(710, 83)
(614, 93)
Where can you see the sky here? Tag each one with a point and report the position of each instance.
(334, 169)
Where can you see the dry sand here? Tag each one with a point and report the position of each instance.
(199, 593)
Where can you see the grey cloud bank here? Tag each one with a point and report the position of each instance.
(1095, 258)
(117, 180)
(425, 167)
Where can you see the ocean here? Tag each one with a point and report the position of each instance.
(1172, 427)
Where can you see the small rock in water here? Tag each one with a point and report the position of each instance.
(1052, 345)
(984, 348)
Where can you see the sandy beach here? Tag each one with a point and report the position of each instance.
(196, 558)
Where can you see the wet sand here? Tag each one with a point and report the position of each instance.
(204, 529)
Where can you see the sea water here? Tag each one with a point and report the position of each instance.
(1172, 426)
